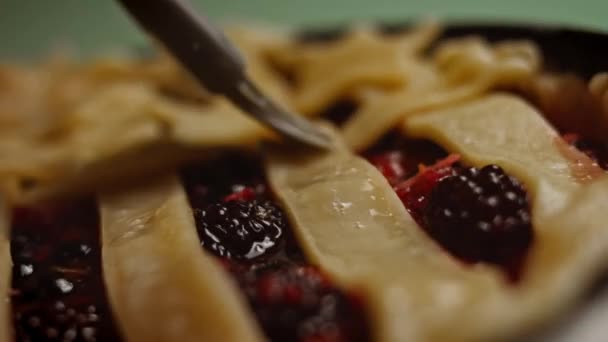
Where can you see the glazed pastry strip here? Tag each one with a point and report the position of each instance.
(146, 160)
(5, 275)
(344, 190)
(504, 130)
(350, 222)
(161, 285)
(121, 119)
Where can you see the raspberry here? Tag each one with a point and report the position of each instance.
(398, 159)
(415, 191)
(246, 193)
(241, 230)
(392, 165)
(480, 215)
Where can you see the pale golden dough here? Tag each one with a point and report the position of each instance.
(328, 71)
(23, 105)
(568, 251)
(5, 276)
(415, 291)
(76, 128)
(350, 223)
(77, 117)
(161, 284)
(341, 197)
(464, 69)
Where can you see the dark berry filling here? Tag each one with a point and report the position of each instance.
(298, 303)
(399, 159)
(481, 215)
(238, 221)
(234, 175)
(234, 214)
(476, 215)
(415, 191)
(240, 228)
(339, 112)
(58, 291)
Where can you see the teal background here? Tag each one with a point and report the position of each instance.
(32, 27)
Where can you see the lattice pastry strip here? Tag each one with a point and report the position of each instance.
(161, 285)
(104, 110)
(464, 70)
(373, 60)
(352, 224)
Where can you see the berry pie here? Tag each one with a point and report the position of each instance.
(462, 200)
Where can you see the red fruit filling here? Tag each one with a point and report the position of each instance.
(476, 215)
(234, 176)
(399, 159)
(414, 192)
(238, 222)
(481, 215)
(58, 291)
(247, 193)
(298, 303)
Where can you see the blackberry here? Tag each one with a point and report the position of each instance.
(59, 321)
(241, 230)
(480, 215)
(298, 303)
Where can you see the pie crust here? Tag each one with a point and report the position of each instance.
(351, 223)
(153, 265)
(117, 129)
